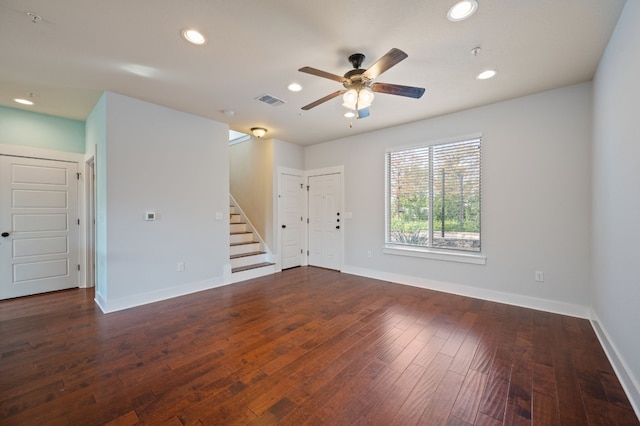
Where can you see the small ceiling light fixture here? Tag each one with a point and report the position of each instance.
(193, 36)
(294, 87)
(258, 132)
(462, 10)
(349, 114)
(485, 75)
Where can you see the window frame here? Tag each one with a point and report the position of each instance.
(436, 253)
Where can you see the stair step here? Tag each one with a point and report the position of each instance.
(238, 228)
(243, 247)
(251, 253)
(241, 237)
(253, 266)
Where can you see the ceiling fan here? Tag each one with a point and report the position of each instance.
(359, 86)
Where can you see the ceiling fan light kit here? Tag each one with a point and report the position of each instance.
(359, 88)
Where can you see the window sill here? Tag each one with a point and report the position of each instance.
(449, 256)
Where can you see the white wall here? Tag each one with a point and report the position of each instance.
(535, 200)
(616, 206)
(175, 164)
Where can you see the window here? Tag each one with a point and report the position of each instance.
(433, 196)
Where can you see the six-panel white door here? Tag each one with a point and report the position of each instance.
(291, 213)
(38, 222)
(325, 221)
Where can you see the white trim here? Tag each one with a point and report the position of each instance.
(451, 256)
(303, 234)
(625, 375)
(156, 296)
(89, 222)
(44, 154)
(475, 292)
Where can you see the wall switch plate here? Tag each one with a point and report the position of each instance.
(539, 276)
(180, 266)
(150, 216)
(219, 216)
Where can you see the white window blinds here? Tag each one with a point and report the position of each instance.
(433, 196)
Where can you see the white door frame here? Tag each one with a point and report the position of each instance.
(90, 221)
(279, 217)
(47, 154)
(343, 225)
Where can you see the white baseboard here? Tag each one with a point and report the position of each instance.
(478, 293)
(629, 382)
(108, 306)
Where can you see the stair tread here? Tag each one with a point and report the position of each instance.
(254, 266)
(241, 233)
(244, 243)
(252, 253)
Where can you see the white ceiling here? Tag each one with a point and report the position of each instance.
(133, 47)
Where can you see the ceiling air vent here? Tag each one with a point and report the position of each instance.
(270, 100)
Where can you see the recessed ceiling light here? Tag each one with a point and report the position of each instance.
(484, 75)
(462, 10)
(294, 87)
(193, 36)
(23, 101)
(349, 114)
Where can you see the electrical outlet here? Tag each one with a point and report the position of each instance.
(180, 266)
(539, 276)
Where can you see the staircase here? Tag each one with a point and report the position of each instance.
(248, 254)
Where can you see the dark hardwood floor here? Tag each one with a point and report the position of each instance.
(305, 346)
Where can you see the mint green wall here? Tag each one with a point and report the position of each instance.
(26, 128)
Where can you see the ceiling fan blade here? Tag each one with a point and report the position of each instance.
(396, 89)
(391, 58)
(320, 73)
(323, 100)
(362, 113)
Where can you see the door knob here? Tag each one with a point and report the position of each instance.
(284, 226)
(5, 234)
(338, 227)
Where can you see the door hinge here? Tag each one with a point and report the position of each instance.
(301, 219)
(307, 220)
(307, 252)
(78, 221)
(301, 186)
(301, 251)
(78, 267)
(307, 188)
(78, 175)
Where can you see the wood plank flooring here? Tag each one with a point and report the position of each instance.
(305, 346)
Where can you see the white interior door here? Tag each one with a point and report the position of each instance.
(38, 222)
(291, 215)
(325, 220)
